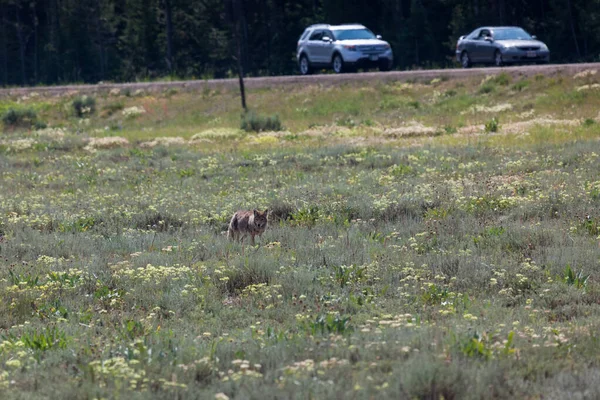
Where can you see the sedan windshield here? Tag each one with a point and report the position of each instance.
(511, 34)
(351, 34)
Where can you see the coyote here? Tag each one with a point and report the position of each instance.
(247, 222)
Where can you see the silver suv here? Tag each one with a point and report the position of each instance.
(343, 48)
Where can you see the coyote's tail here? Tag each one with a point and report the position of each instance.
(233, 227)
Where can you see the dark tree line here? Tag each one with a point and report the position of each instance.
(60, 41)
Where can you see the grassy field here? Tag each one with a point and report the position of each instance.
(427, 240)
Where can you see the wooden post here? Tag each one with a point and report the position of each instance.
(237, 18)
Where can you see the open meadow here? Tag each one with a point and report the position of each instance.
(434, 239)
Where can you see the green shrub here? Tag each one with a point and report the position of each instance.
(111, 108)
(450, 130)
(520, 85)
(502, 79)
(589, 122)
(492, 125)
(329, 324)
(450, 93)
(252, 122)
(19, 118)
(577, 279)
(39, 124)
(84, 105)
(487, 88)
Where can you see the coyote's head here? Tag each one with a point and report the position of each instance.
(260, 218)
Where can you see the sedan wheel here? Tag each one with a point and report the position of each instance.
(465, 61)
(304, 66)
(498, 59)
(338, 64)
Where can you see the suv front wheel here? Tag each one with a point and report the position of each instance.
(304, 65)
(337, 64)
(385, 65)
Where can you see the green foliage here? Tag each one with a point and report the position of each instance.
(476, 346)
(414, 104)
(492, 125)
(84, 106)
(589, 122)
(306, 216)
(41, 340)
(450, 93)
(437, 213)
(329, 324)
(345, 275)
(66, 279)
(435, 295)
(81, 224)
(112, 108)
(399, 170)
(589, 224)
(390, 103)
(502, 79)
(30, 280)
(53, 309)
(252, 122)
(450, 130)
(133, 329)
(520, 85)
(487, 88)
(20, 118)
(577, 279)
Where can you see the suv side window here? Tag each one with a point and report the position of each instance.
(317, 35)
(329, 34)
(304, 35)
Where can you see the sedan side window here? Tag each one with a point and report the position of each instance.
(317, 35)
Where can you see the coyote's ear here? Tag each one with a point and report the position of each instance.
(255, 212)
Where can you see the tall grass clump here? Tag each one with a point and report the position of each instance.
(487, 88)
(83, 106)
(502, 79)
(252, 122)
(112, 108)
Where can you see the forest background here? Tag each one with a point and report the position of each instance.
(67, 41)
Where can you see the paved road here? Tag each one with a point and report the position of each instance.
(324, 79)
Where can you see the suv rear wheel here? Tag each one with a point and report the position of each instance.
(337, 64)
(304, 65)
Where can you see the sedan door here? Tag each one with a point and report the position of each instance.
(486, 47)
(470, 46)
(481, 46)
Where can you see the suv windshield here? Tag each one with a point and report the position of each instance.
(511, 34)
(351, 34)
